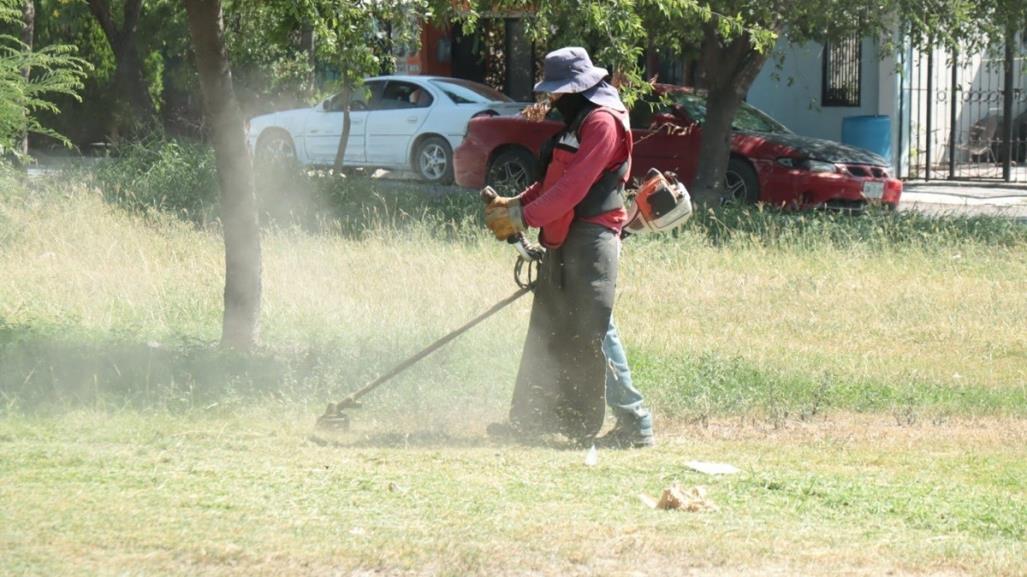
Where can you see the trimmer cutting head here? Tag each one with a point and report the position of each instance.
(334, 418)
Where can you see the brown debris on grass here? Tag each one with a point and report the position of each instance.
(675, 498)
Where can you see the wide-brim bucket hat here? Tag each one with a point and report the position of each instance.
(570, 71)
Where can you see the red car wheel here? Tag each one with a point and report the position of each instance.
(511, 171)
(740, 183)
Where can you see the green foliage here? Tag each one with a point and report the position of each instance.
(271, 42)
(52, 70)
(271, 67)
(616, 32)
(970, 25)
(82, 120)
(168, 175)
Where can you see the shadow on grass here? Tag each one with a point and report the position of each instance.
(433, 439)
(48, 371)
(45, 372)
(416, 439)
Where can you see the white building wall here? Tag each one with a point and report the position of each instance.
(791, 92)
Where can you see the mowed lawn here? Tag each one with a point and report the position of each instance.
(254, 494)
(868, 376)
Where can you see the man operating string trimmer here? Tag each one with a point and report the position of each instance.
(579, 207)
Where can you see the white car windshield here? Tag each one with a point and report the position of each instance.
(465, 91)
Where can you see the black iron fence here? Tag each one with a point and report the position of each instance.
(964, 117)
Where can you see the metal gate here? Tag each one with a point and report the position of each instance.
(954, 110)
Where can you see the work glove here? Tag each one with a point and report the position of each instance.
(505, 217)
(503, 201)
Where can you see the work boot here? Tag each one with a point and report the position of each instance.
(505, 430)
(632, 431)
(513, 432)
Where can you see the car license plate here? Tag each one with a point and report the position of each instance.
(873, 190)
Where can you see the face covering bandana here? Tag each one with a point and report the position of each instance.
(570, 105)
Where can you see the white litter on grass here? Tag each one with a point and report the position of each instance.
(712, 468)
(592, 458)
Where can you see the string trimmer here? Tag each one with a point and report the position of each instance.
(660, 203)
(525, 274)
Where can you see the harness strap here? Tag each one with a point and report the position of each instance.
(607, 193)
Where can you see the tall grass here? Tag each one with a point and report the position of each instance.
(166, 175)
(748, 312)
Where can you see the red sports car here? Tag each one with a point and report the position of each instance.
(769, 163)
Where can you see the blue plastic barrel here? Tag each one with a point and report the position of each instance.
(870, 132)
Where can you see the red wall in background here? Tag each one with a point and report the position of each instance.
(433, 58)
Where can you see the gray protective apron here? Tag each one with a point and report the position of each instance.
(561, 383)
(562, 380)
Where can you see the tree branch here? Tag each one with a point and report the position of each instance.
(102, 12)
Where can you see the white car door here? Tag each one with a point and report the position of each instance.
(395, 120)
(323, 127)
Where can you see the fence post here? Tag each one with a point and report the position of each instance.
(930, 105)
(1007, 105)
(952, 113)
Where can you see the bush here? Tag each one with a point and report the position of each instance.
(174, 176)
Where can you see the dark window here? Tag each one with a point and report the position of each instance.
(362, 98)
(842, 72)
(400, 94)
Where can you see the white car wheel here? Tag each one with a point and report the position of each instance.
(433, 160)
(275, 147)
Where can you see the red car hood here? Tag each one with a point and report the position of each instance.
(820, 149)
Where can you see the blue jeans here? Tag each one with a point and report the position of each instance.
(621, 394)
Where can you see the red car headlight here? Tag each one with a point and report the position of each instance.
(808, 164)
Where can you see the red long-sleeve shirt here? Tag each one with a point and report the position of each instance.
(604, 144)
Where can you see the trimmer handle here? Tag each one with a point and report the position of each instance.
(529, 255)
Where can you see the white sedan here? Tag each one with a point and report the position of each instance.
(396, 122)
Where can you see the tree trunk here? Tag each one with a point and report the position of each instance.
(340, 153)
(129, 79)
(307, 46)
(238, 202)
(28, 31)
(728, 72)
